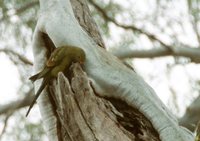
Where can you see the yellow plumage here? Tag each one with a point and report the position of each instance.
(59, 61)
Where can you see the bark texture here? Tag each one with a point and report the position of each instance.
(83, 16)
(86, 117)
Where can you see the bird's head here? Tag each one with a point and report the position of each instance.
(79, 56)
(74, 54)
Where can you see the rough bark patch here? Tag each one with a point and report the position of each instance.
(86, 117)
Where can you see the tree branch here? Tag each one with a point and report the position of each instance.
(21, 57)
(192, 53)
(15, 105)
(5, 125)
(129, 27)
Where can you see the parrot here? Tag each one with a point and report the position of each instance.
(59, 61)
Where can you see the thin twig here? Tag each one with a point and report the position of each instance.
(129, 27)
(21, 57)
(5, 125)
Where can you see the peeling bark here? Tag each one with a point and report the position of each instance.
(83, 16)
(86, 117)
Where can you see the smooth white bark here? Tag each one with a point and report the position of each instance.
(108, 75)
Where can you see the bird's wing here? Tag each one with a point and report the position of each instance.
(41, 74)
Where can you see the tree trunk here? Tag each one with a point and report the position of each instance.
(191, 116)
(110, 101)
(84, 116)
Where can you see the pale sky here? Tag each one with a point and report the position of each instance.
(9, 82)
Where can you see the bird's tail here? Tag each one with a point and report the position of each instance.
(44, 83)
